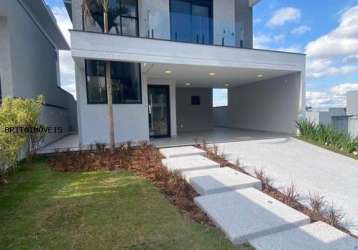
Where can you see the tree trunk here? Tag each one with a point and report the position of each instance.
(109, 92)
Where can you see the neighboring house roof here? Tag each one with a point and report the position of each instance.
(45, 19)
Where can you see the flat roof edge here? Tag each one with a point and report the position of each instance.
(45, 20)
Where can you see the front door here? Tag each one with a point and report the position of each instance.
(159, 111)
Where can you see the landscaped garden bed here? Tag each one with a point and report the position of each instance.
(102, 200)
(328, 138)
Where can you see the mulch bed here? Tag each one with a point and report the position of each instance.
(145, 161)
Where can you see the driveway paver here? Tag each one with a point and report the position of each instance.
(310, 168)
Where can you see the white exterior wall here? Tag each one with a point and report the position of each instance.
(319, 117)
(194, 117)
(337, 111)
(130, 120)
(352, 103)
(5, 62)
(353, 126)
(269, 105)
(244, 23)
(340, 123)
(220, 115)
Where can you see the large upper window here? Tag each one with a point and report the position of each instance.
(126, 82)
(123, 17)
(191, 21)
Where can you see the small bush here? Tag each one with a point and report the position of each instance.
(18, 113)
(291, 195)
(265, 180)
(335, 217)
(327, 136)
(317, 205)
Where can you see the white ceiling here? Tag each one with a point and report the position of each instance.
(198, 76)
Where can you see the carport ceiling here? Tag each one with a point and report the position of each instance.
(199, 76)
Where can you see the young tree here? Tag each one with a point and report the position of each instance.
(104, 6)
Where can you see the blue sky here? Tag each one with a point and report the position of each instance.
(326, 30)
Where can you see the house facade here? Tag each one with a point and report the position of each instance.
(166, 57)
(29, 44)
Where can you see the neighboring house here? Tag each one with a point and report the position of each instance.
(352, 103)
(324, 116)
(166, 58)
(29, 44)
(342, 119)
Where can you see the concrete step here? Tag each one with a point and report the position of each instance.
(247, 214)
(317, 236)
(189, 163)
(181, 151)
(218, 180)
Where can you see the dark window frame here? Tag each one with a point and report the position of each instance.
(140, 101)
(136, 18)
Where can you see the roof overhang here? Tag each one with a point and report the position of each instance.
(253, 2)
(46, 21)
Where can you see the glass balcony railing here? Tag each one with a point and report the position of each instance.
(173, 27)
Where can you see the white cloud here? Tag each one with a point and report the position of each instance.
(342, 41)
(318, 99)
(284, 15)
(342, 89)
(335, 97)
(262, 41)
(335, 53)
(300, 30)
(321, 67)
(67, 70)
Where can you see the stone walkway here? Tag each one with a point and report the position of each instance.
(236, 205)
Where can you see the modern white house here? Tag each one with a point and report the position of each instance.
(29, 44)
(166, 57)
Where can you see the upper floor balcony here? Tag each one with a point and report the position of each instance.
(210, 22)
(190, 32)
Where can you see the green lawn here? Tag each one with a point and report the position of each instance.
(44, 209)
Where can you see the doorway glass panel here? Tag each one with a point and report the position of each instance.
(158, 105)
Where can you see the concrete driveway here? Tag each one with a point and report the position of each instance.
(310, 168)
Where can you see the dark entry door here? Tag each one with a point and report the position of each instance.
(159, 111)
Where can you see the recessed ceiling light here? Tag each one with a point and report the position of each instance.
(260, 76)
(188, 84)
(212, 74)
(227, 84)
(168, 72)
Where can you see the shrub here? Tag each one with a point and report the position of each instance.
(327, 136)
(23, 113)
